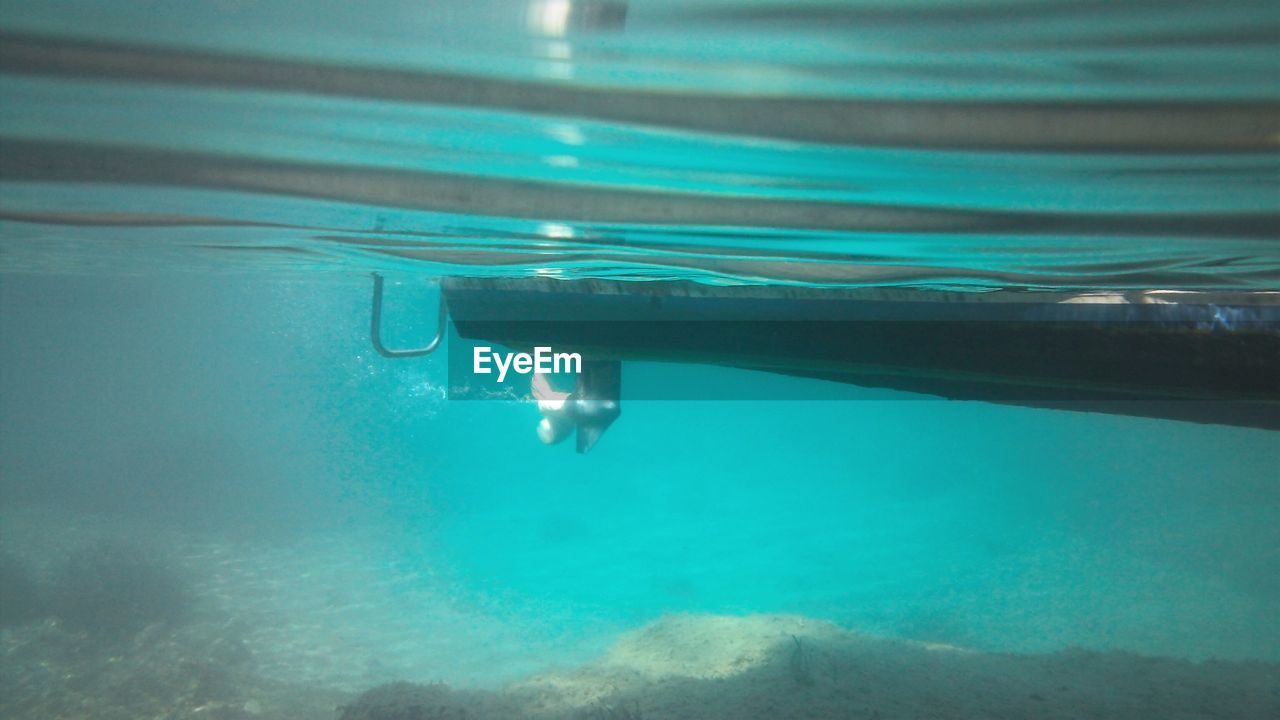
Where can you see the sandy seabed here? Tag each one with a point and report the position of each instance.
(310, 632)
(777, 666)
(686, 667)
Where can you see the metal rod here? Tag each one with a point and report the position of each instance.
(375, 326)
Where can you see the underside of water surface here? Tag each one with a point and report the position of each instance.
(938, 343)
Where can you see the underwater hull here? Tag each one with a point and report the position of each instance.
(1185, 356)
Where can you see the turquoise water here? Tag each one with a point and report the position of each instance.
(192, 199)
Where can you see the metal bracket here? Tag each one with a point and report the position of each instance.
(375, 326)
